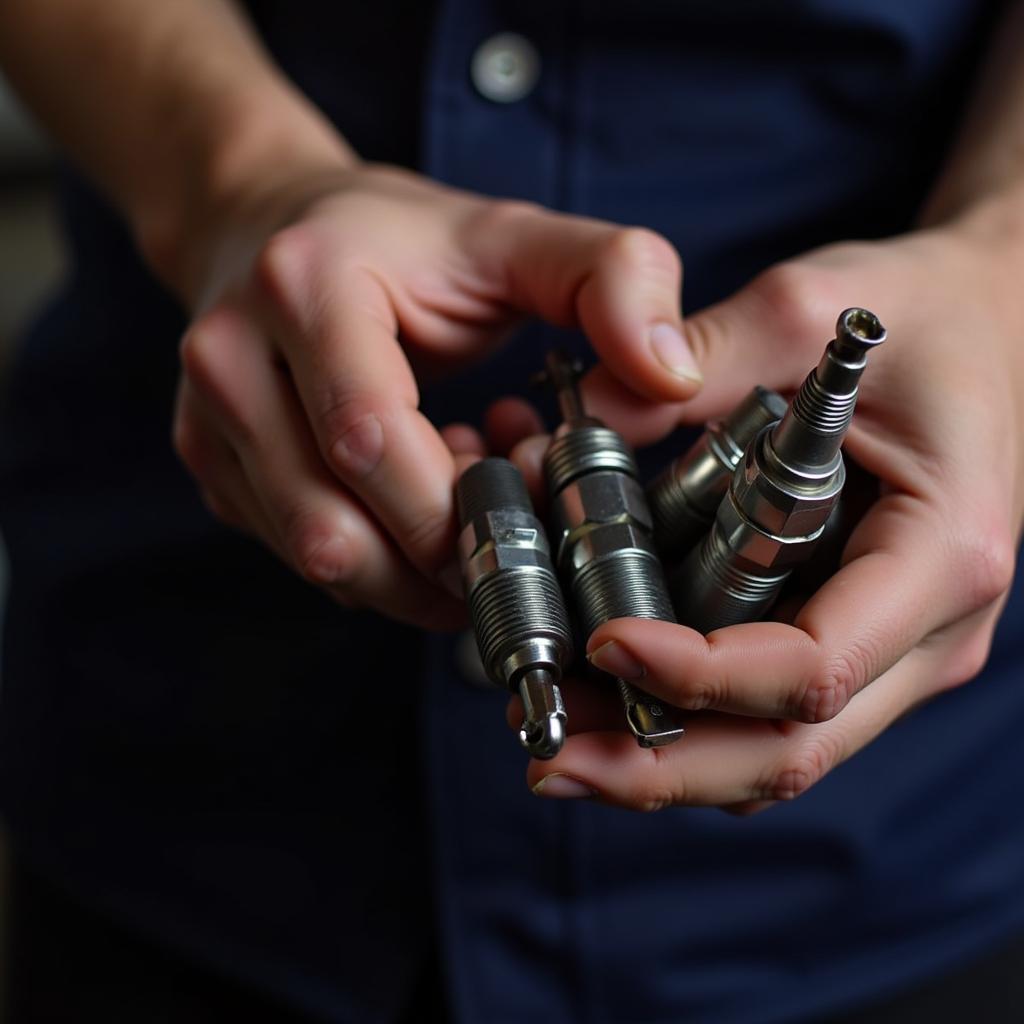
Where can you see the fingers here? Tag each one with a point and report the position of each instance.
(904, 581)
(622, 286)
(508, 421)
(321, 531)
(728, 761)
(336, 329)
(225, 490)
(462, 439)
(772, 332)
(528, 456)
(639, 421)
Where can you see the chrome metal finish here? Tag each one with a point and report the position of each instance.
(515, 603)
(685, 496)
(602, 536)
(543, 730)
(782, 492)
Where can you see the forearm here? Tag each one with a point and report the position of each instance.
(983, 180)
(174, 108)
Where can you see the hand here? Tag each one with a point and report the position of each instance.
(297, 410)
(911, 612)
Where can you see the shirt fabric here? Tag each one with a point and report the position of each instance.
(183, 731)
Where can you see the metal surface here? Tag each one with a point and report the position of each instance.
(782, 492)
(604, 547)
(686, 495)
(518, 614)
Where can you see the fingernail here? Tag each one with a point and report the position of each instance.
(672, 351)
(563, 787)
(614, 659)
(359, 449)
(450, 577)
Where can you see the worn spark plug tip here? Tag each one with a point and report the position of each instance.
(857, 332)
(543, 740)
(519, 616)
(543, 730)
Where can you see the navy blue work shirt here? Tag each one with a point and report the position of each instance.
(187, 735)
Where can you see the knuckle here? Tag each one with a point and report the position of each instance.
(654, 798)
(353, 428)
(806, 765)
(198, 351)
(209, 362)
(990, 560)
(320, 552)
(282, 263)
(644, 250)
(504, 214)
(829, 690)
(801, 300)
(965, 662)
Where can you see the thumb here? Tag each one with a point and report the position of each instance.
(771, 332)
(621, 286)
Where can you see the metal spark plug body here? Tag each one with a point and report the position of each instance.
(781, 494)
(685, 496)
(603, 541)
(519, 616)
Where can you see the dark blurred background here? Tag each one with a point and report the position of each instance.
(30, 262)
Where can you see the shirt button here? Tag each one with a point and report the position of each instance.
(505, 68)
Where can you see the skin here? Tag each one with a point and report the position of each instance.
(924, 576)
(322, 289)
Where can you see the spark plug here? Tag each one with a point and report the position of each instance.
(685, 496)
(781, 494)
(602, 533)
(518, 614)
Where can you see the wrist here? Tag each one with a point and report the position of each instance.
(237, 168)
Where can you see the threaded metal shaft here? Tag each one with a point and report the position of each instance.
(712, 591)
(628, 584)
(490, 485)
(685, 496)
(515, 603)
(604, 540)
(588, 449)
(809, 436)
(513, 608)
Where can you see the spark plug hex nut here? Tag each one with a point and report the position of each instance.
(519, 617)
(790, 507)
(782, 493)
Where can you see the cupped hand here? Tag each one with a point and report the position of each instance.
(298, 405)
(911, 611)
